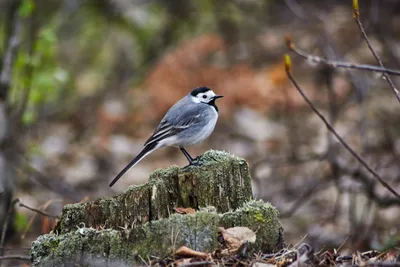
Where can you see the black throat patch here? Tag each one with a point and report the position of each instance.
(212, 103)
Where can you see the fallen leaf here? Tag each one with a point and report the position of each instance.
(235, 237)
(188, 252)
(185, 210)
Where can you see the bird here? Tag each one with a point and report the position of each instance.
(189, 121)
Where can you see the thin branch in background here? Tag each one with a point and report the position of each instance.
(362, 176)
(15, 257)
(42, 207)
(338, 64)
(284, 160)
(5, 226)
(38, 178)
(327, 76)
(41, 212)
(8, 217)
(288, 65)
(11, 41)
(300, 201)
(360, 26)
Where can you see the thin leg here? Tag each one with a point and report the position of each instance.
(187, 155)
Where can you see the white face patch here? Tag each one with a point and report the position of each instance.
(205, 97)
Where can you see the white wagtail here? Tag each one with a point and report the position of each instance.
(191, 120)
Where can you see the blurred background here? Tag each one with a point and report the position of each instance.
(83, 84)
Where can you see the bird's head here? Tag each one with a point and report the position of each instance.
(204, 95)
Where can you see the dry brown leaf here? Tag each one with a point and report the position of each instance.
(236, 236)
(185, 210)
(188, 252)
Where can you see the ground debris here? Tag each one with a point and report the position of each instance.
(301, 256)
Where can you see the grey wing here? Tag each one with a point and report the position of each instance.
(171, 126)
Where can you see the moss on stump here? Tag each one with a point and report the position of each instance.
(222, 180)
(263, 219)
(137, 224)
(92, 247)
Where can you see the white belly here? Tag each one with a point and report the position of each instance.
(190, 137)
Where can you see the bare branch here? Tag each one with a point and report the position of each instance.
(385, 75)
(5, 226)
(333, 131)
(41, 212)
(15, 257)
(360, 26)
(338, 64)
(303, 198)
(369, 185)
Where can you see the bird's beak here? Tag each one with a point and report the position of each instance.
(218, 96)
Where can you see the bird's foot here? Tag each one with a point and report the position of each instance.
(194, 162)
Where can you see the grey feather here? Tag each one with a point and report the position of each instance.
(180, 120)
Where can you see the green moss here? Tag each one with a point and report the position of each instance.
(158, 238)
(72, 213)
(221, 180)
(260, 217)
(219, 156)
(164, 173)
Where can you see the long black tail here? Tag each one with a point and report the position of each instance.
(147, 150)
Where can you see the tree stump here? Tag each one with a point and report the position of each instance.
(140, 222)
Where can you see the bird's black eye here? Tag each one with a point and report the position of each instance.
(204, 96)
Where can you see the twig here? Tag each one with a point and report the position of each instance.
(197, 263)
(38, 211)
(15, 257)
(301, 240)
(360, 26)
(332, 130)
(302, 199)
(44, 206)
(343, 243)
(369, 185)
(338, 64)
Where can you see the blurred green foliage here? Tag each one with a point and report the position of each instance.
(108, 43)
(36, 70)
(20, 222)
